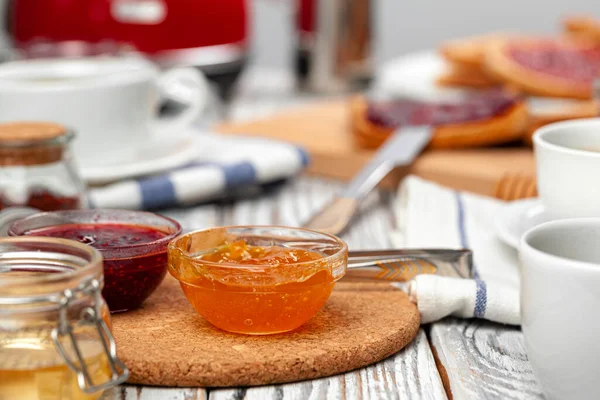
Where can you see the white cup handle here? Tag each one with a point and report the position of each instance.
(186, 86)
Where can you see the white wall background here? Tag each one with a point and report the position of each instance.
(407, 25)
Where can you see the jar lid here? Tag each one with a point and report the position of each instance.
(32, 143)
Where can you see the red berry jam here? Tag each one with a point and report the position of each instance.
(578, 65)
(128, 280)
(407, 112)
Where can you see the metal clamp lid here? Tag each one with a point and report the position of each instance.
(92, 316)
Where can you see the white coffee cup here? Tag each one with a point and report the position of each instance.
(568, 166)
(560, 306)
(110, 102)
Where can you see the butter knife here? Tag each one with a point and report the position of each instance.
(400, 149)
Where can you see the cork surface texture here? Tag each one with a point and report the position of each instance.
(165, 343)
(30, 131)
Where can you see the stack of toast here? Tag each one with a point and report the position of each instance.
(552, 79)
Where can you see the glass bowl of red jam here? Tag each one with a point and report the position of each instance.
(132, 243)
(257, 280)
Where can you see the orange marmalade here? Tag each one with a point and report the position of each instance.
(254, 289)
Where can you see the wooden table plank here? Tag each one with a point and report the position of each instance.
(129, 392)
(205, 216)
(405, 375)
(484, 360)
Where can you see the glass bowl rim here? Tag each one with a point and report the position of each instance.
(153, 243)
(93, 265)
(343, 247)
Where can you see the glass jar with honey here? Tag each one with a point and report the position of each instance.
(55, 339)
(37, 168)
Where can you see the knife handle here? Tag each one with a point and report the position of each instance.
(334, 217)
(399, 149)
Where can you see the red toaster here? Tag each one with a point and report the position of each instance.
(209, 34)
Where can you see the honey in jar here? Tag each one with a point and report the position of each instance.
(31, 369)
(255, 288)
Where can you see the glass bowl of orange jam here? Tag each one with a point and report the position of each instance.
(257, 280)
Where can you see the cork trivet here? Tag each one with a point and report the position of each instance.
(166, 343)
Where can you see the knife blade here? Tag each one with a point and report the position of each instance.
(400, 149)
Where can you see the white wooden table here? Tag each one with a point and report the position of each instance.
(476, 359)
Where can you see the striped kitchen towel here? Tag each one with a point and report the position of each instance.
(429, 215)
(225, 165)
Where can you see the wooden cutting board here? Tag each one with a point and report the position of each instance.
(323, 130)
(166, 343)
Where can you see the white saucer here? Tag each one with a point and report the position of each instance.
(414, 75)
(517, 217)
(150, 158)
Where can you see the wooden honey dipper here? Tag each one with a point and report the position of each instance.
(515, 186)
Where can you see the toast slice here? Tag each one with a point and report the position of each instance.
(503, 123)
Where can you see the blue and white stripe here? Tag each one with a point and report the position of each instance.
(253, 163)
(481, 287)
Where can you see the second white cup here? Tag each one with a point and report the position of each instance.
(560, 304)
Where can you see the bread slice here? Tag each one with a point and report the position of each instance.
(500, 62)
(468, 51)
(505, 127)
(583, 28)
